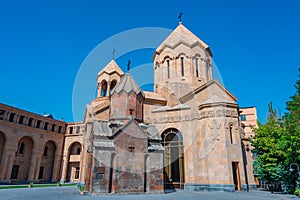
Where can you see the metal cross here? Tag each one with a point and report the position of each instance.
(128, 66)
(113, 54)
(180, 16)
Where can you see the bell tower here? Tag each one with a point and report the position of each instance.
(108, 78)
(182, 58)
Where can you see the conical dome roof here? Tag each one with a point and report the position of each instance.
(111, 67)
(181, 35)
(128, 85)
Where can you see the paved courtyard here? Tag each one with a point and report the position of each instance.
(71, 193)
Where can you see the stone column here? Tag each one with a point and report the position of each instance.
(56, 164)
(99, 89)
(6, 164)
(37, 159)
(65, 168)
(108, 89)
(34, 164)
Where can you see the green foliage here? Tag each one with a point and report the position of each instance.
(277, 143)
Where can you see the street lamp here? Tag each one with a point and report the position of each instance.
(292, 169)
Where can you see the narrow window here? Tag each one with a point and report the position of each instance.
(59, 129)
(46, 126)
(30, 122)
(53, 128)
(71, 130)
(2, 114)
(14, 172)
(77, 173)
(45, 151)
(11, 117)
(131, 112)
(41, 172)
(38, 124)
(197, 69)
(78, 151)
(21, 148)
(21, 119)
(168, 65)
(230, 133)
(182, 66)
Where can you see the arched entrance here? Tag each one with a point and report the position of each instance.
(22, 161)
(172, 141)
(74, 162)
(47, 164)
(2, 143)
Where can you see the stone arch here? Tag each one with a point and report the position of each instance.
(113, 84)
(2, 145)
(103, 88)
(22, 162)
(73, 170)
(172, 140)
(47, 163)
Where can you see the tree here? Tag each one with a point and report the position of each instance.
(292, 133)
(277, 143)
(268, 146)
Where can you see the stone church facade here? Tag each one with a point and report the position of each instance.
(185, 134)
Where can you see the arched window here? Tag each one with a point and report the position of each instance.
(21, 119)
(11, 117)
(197, 67)
(46, 126)
(112, 85)
(182, 66)
(231, 134)
(103, 88)
(30, 122)
(38, 124)
(21, 148)
(53, 128)
(168, 68)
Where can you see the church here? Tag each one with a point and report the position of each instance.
(186, 134)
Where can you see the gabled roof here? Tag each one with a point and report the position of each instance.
(128, 85)
(111, 67)
(182, 35)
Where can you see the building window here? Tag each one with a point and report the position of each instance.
(53, 128)
(71, 130)
(243, 117)
(30, 122)
(21, 119)
(11, 117)
(59, 129)
(38, 124)
(77, 129)
(2, 114)
(14, 172)
(21, 148)
(46, 126)
(182, 66)
(77, 173)
(168, 65)
(41, 172)
(197, 68)
(78, 151)
(230, 133)
(103, 88)
(45, 151)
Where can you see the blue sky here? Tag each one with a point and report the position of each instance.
(43, 44)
